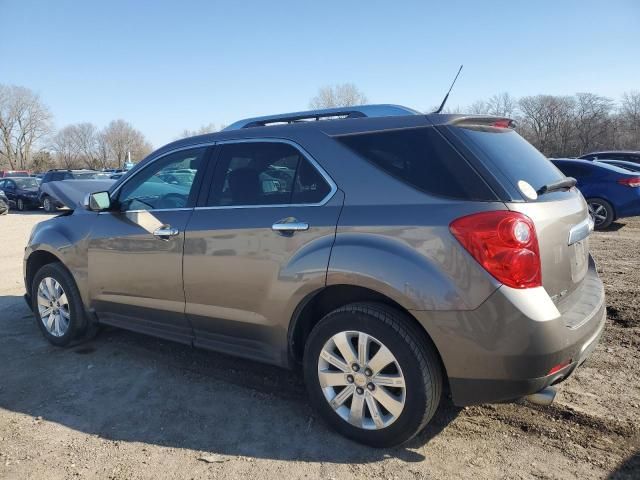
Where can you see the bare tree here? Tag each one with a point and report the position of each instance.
(593, 122)
(122, 138)
(502, 105)
(210, 128)
(342, 95)
(628, 122)
(24, 120)
(479, 107)
(66, 150)
(548, 122)
(85, 137)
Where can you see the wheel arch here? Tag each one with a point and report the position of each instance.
(35, 261)
(317, 304)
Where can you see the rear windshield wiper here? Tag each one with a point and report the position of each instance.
(562, 184)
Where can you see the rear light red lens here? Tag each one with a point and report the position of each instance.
(504, 243)
(558, 367)
(630, 181)
(502, 123)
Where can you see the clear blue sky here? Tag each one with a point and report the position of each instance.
(165, 66)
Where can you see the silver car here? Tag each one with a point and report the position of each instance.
(393, 256)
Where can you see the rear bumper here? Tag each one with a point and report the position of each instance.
(500, 351)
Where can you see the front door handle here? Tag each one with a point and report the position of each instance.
(287, 226)
(165, 232)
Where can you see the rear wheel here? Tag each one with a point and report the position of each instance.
(372, 374)
(601, 211)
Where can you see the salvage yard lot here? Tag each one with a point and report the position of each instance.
(129, 406)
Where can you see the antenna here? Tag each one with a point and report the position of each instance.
(446, 97)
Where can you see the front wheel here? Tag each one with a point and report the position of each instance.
(372, 374)
(20, 205)
(48, 204)
(57, 305)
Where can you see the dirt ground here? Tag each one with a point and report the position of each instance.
(125, 406)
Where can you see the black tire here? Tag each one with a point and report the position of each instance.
(78, 324)
(48, 204)
(20, 205)
(604, 209)
(414, 352)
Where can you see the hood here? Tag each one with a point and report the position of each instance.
(28, 189)
(71, 193)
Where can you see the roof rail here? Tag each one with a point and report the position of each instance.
(383, 110)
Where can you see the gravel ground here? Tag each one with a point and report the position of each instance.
(125, 406)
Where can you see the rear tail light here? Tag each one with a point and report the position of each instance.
(506, 123)
(630, 181)
(504, 243)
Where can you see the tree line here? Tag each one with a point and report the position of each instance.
(558, 125)
(29, 141)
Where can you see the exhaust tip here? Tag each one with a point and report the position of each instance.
(544, 397)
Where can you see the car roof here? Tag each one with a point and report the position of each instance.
(590, 164)
(606, 152)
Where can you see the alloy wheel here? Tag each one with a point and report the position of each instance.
(362, 380)
(20, 204)
(598, 212)
(53, 307)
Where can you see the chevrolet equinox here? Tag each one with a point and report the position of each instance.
(393, 255)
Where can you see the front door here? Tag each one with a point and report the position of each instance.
(260, 243)
(135, 251)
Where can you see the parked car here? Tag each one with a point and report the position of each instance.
(611, 192)
(632, 167)
(22, 192)
(626, 155)
(13, 173)
(4, 203)
(389, 253)
(50, 203)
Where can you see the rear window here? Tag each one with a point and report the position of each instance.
(422, 158)
(511, 154)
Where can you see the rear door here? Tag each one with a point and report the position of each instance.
(257, 245)
(561, 218)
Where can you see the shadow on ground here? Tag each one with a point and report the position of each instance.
(128, 387)
(629, 469)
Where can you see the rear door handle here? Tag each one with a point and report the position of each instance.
(165, 232)
(287, 226)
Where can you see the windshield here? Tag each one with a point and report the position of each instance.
(512, 155)
(26, 182)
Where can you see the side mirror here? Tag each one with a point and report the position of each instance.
(97, 202)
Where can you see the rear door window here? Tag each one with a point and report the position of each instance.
(421, 158)
(265, 173)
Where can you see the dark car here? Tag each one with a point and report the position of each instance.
(626, 155)
(632, 167)
(51, 204)
(22, 192)
(4, 203)
(611, 192)
(394, 256)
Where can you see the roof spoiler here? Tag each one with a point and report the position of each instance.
(483, 121)
(383, 110)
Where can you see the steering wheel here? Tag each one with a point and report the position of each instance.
(173, 200)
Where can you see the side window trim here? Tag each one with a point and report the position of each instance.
(303, 152)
